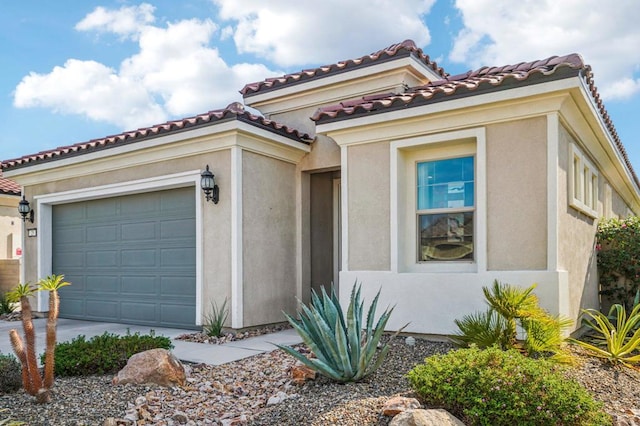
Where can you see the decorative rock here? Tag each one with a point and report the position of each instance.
(301, 373)
(425, 418)
(398, 404)
(277, 398)
(157, 366)
(180, 417)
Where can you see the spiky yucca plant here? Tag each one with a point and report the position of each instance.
(510, 307)
(51, 284)
(345, 347)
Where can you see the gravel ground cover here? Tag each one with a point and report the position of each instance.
(258, 391)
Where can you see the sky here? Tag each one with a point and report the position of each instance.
(82, 69)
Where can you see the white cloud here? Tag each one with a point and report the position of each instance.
(504, 32)
(290, 32)
(175, 73)
(126, 21)
(91, 89)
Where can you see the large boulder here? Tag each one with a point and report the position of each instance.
(420, 417)
(157, 366)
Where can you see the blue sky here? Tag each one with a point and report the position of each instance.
(78, 70)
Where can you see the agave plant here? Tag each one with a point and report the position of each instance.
(619, 341)
(345, 348)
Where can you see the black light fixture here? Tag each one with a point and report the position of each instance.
(25, 210)
(208, 184)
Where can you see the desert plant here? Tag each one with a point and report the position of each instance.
(10, 377)
(345, 347)
(6, 306)
(33, 383)
(616, 341)
(31, 379)
(51, 284)
(496, 387)
(511, 307)
(9, 422)
(214, 320)
(104, 354)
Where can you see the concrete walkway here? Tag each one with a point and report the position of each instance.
(187, 351)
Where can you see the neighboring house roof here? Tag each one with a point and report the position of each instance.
(483, 80)
(406, 48)
(8, 186)
(234, 111)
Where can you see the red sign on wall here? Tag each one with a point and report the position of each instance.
(18, 251)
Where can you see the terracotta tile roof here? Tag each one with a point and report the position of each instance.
(406, 48)
(483, 80)
(8, 186)
(234, 111)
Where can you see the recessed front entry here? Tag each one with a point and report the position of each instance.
(130, 259)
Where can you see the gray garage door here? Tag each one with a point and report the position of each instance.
(130, 259)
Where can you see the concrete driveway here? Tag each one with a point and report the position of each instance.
(68, 329)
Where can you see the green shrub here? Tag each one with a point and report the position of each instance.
(214, 320)
(103, 354)
(10, 374)
(6, 307)
(618, 249)
(496, 387)
(511, 307)
(346, 348)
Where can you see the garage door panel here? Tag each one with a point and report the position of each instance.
(175, 286)
(139, 231)
(130, 259)
(174, 315)
(102, 259)
(146, 257)
(137, 285)
(102, 309)
(102, 209)
(177, 228)
(140, 312)
(68, 260)
(70, 235)
(103, 284)
(176, 257)
(102, 234)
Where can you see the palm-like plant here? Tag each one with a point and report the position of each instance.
(619, 341)
(511, 307)
(31, 379)
(345, 347)
(51, 284)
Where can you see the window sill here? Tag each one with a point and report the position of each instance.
(583, 208)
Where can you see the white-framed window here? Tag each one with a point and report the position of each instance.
(418, 202)
(583, 184)
(445, 206)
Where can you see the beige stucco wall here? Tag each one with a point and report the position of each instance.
(517, 195)
(368, 206)
(216, 218)
(269, 239)
(576, 237)
(10, 227)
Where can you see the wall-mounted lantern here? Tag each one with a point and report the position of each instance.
(208, 185)
(25, 210)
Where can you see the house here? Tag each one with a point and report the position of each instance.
(10, 234)
(382, 169)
